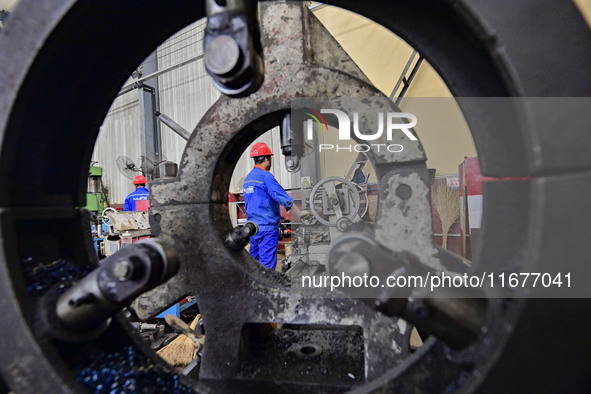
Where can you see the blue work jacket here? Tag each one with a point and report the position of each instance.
(141, 193)
(262, 195)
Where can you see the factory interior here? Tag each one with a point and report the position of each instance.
(143, 250)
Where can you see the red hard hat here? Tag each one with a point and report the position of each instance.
(260, 149)
(140, 180)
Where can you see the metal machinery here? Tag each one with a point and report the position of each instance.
(58, 337)
(96, 200)
(334, 206)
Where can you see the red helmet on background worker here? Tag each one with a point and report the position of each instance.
(260, 149)
(140, 180)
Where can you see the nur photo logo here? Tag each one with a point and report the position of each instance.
(380, 139)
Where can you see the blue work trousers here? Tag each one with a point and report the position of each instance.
(263, 247)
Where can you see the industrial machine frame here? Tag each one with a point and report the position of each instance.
(480, 49)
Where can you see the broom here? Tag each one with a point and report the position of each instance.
(447, 207)
(183, 350)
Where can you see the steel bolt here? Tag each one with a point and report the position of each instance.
(404, 191)
(123, 269)
(222, 55)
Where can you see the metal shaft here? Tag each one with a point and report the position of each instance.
(112, 286)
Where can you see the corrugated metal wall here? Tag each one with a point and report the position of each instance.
(119, 136)
(186, 92)
(185, 95)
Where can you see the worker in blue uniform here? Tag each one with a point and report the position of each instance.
(262, 196)
(140, 193)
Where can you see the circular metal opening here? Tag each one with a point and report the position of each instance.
(309, 350)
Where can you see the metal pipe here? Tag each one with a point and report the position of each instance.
(136, 84)
(174, 126)
(403, 74)
(409, 80)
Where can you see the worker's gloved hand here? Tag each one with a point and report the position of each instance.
(305, 214)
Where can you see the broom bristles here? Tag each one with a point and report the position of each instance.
(181, 351)
(447, 206)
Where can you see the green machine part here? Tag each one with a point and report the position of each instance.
(95, 171)
(95, 202)
(95, 197)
